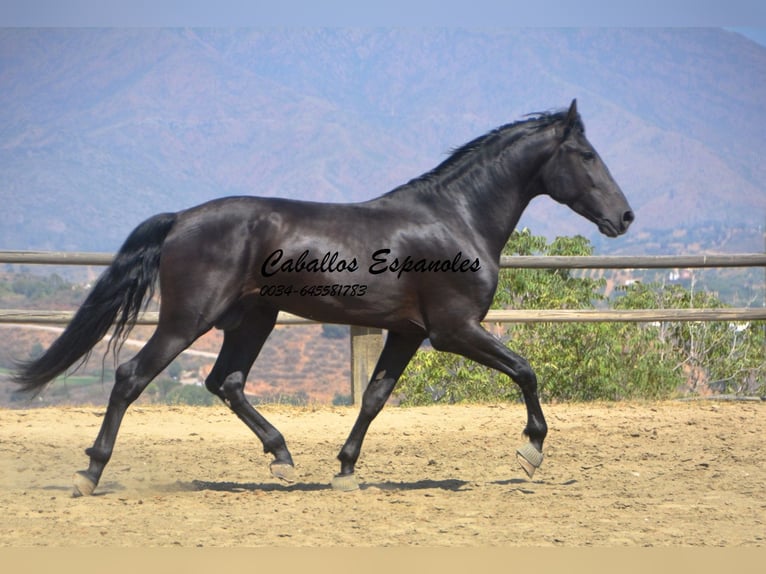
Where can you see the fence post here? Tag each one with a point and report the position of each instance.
(366, 346)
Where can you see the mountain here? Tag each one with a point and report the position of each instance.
(100, 128)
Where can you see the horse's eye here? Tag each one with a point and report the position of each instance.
(588, 155)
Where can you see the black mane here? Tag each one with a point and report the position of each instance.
(461, 158)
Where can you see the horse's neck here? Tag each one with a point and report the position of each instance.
(497, 206)
(489, 198)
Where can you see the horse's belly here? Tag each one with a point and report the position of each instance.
(351, 303)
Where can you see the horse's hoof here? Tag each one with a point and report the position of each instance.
(283, 471)
(83, 485)
(345, 483)
(529, 458)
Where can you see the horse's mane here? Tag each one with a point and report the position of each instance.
(462, 157)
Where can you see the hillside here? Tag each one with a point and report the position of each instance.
(296, 366)
(102, 128)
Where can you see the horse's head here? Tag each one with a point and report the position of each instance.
(576, 176)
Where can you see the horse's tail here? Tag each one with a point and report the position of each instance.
(122, 291)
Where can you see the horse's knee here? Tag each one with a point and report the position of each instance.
(233, 388)
(524, 375)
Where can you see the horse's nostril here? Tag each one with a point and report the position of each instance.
(628, 217)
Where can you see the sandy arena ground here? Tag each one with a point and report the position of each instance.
(615, 475)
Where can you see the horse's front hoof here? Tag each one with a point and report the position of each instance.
(83, 484)
(345, 483)
(283, 471)
(529, 458)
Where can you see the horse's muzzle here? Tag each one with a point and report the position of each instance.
(615, 228)
(627, 218)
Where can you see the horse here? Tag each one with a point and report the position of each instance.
(420, 262)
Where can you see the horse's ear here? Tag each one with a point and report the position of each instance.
(572, 114)
(573, 119)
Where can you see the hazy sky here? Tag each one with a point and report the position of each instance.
(757, 34)
(430, 13)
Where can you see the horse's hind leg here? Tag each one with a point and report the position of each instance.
(394, 358)
(131, 379)
(241, 346)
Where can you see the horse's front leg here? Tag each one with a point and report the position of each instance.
(396, 354)
(475, 343)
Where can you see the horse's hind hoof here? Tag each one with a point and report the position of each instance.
(283, 471)
(83, 485)
(529, 458)
(345, 483)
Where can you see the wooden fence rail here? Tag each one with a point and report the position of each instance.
(32, 317)
(506, 261)
(367, 343)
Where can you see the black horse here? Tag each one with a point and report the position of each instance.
(420, 261)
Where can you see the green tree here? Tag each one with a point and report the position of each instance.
(164, 386)
(174, 370)
(729, 357)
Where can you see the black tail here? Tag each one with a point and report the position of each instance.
(119, 295)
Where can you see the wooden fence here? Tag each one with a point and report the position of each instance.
(366, 343)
